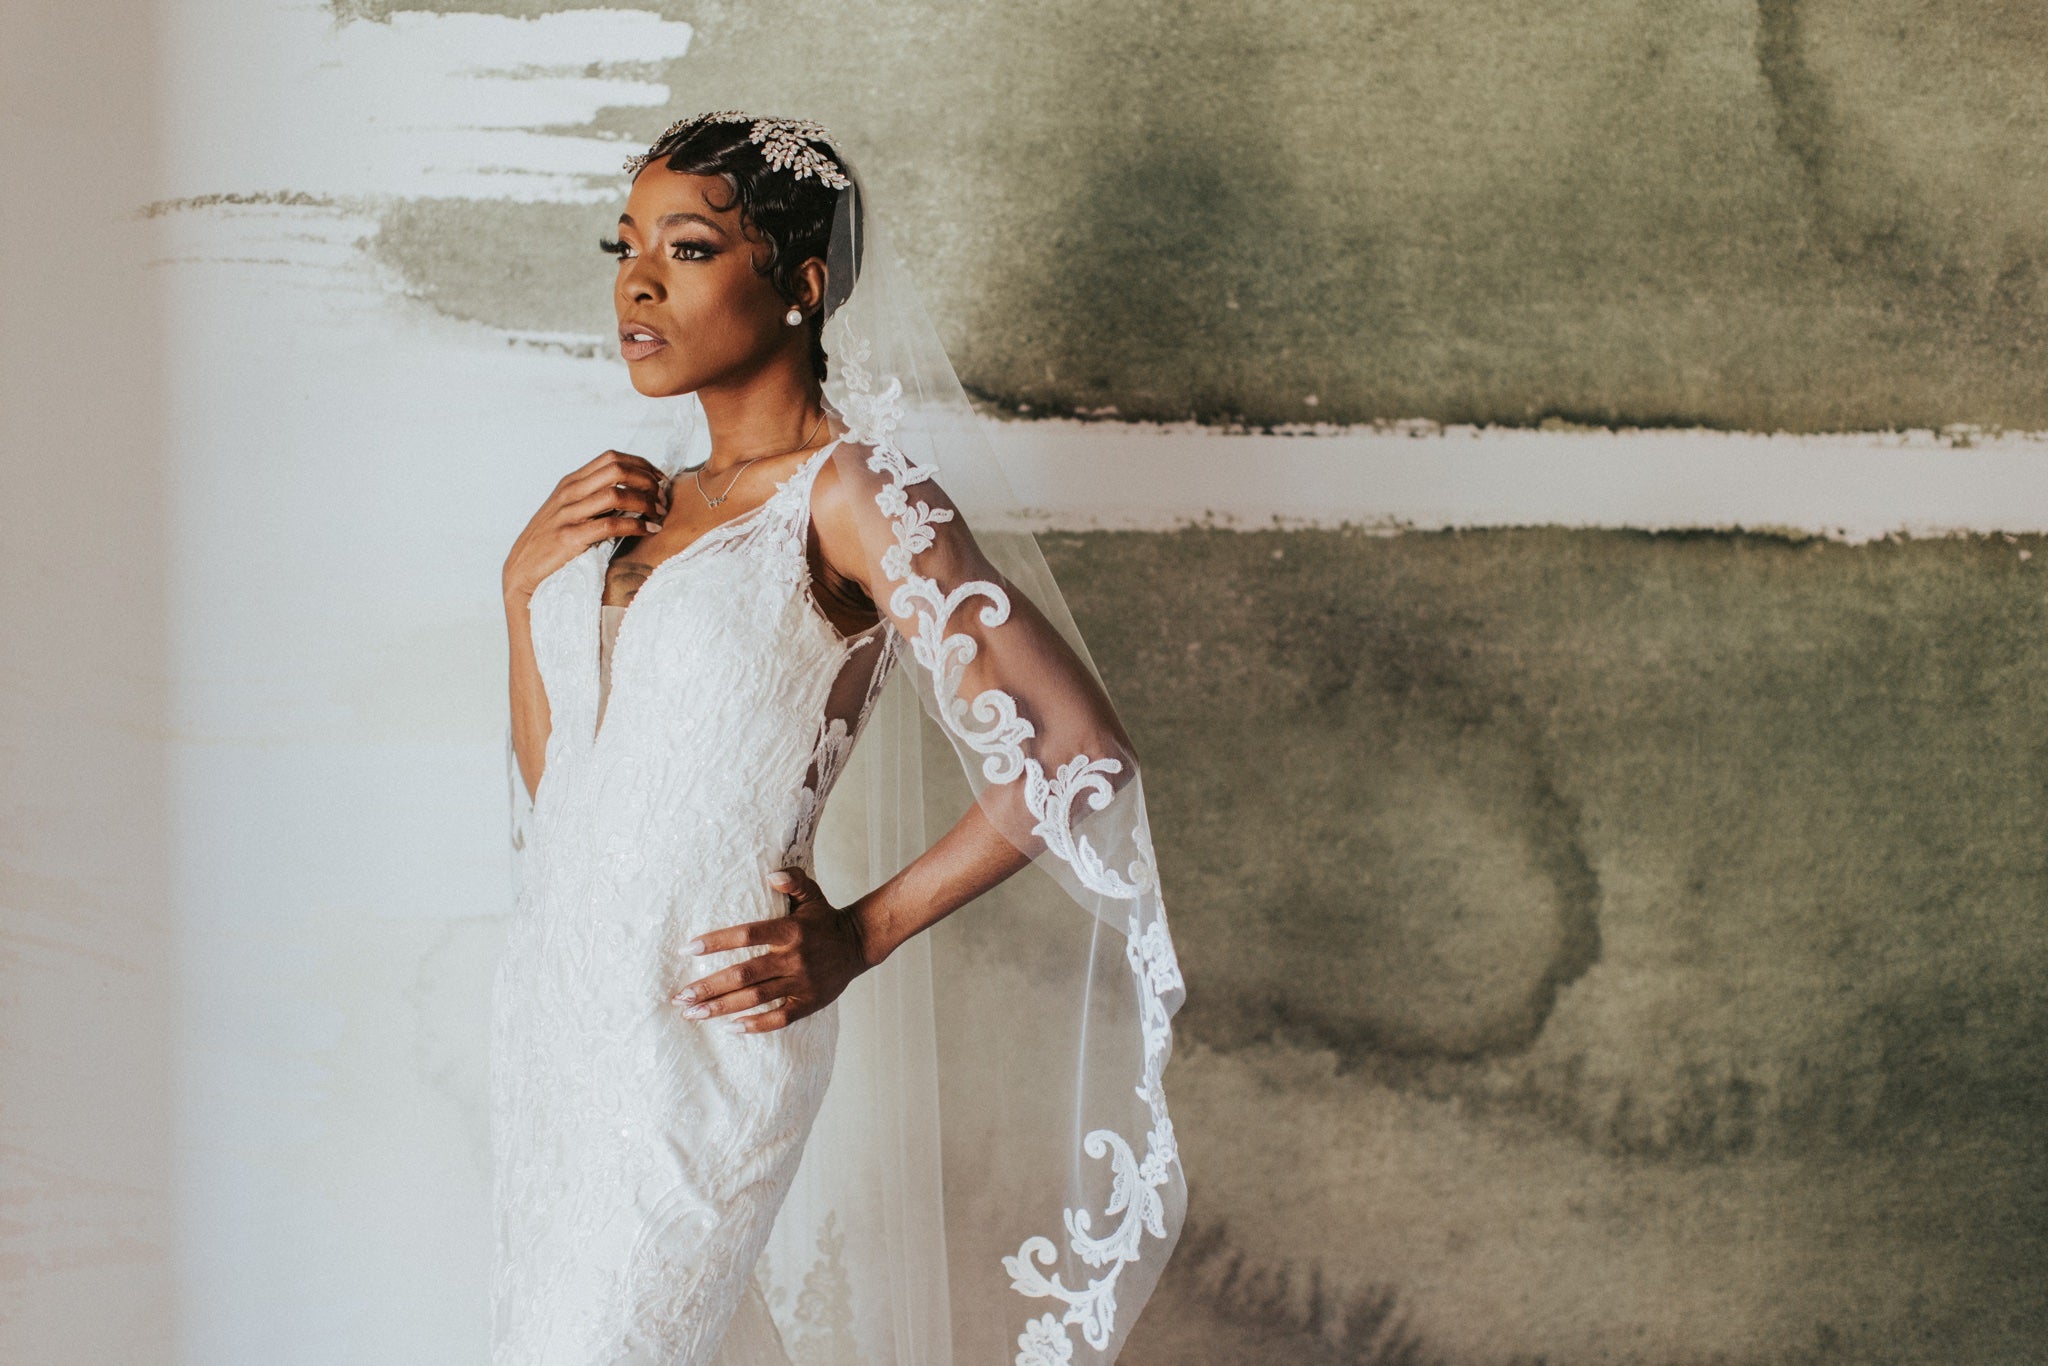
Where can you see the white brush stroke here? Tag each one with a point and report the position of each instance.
(1850, 487)
(277, 97)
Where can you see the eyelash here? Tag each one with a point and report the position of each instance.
(619, 249)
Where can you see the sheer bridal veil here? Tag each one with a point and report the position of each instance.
(993, 1177)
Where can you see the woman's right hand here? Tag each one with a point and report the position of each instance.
(614, 495)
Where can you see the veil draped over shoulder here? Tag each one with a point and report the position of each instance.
(993, 1175)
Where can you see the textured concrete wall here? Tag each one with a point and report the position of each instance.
(1807, 214)
(1601, 946)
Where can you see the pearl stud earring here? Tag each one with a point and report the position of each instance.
(794, 316)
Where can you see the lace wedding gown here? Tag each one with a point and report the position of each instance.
(641, 1156)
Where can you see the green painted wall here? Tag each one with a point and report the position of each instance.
(1801, 214)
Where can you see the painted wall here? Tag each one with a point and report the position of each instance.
(1800, 214)
(1602, 945)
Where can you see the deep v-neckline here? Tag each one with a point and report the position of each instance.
(782, 486)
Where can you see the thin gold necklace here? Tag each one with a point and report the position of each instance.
(711, 502)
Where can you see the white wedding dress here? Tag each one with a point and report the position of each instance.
(641, 1156)
(993, 1176)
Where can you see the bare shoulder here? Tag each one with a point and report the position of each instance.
(836, 487)
(843, 508)
(857, 503)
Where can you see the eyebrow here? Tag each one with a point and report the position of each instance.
(679, 217)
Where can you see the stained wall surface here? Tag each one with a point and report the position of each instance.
(1603, 946)
(1800, 214)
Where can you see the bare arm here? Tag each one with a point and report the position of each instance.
(993, 838)
(530, 721)
(1065, 722)
(962, 864)
(614, 495)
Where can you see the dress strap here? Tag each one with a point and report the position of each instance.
(809, 470)
(800, 482)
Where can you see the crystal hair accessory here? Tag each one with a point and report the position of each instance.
(785, 143)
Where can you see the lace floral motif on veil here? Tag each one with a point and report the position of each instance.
(872, 418)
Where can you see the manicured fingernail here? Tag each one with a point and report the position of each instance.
(684, 997)
(698, 1012)
(736, 1026)
(654, 526)
(694, 946)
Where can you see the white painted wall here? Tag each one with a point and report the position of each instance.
(1419, 476)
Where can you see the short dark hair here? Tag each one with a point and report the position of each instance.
(794, 216)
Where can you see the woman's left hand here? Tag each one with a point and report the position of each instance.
(814, 951)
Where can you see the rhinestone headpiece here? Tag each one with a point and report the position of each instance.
(786, 143)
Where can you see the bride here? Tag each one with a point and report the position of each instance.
(702, 647)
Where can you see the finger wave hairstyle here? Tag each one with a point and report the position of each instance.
(793, 217)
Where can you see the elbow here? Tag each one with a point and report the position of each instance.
(1120, 770)
(1123, 777)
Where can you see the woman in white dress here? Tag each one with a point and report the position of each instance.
(694, 654)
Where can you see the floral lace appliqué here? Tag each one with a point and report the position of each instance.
(991, 726)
